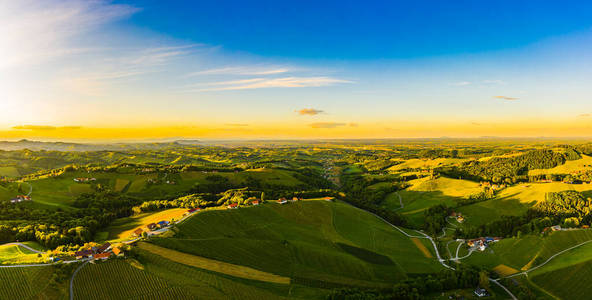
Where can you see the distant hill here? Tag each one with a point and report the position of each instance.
(63, 146)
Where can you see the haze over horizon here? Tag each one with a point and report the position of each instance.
(149, 70)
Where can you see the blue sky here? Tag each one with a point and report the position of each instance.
(358, 30)
(237, 69)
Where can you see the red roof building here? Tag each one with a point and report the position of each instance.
(102, 255)
(232, 205)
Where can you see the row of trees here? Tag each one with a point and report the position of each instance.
(510, 169)
(359, 193)
(419, 287)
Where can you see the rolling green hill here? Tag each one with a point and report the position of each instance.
(310, 242)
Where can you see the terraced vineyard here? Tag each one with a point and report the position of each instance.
(312, 240)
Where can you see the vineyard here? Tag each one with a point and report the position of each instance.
(24, 283)
(213, 265)
(116, 279)
(310, 240)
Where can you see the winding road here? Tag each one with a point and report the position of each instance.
(72, 279)
(549, 259)
(424, 235)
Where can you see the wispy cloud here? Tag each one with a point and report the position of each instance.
(461, 83)
(160, 55)
(585, 115)
(33, 31)
(493, 81)
(244, 70)
(236, 125)
(327, 125)
(259, 83)
(309, 112)
(505, 98)
(352, 124)
(44, 127)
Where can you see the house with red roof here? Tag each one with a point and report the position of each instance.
(101, 256)
(138, 232)
(232, 206)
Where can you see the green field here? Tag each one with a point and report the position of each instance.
(9, 172)
(528, 251)
(310, 241)
(570, 166)
(14, 254)
(425, 193)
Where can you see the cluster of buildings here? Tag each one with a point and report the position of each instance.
(151, 227)
(483, 242)
(20, 198)
(458, 216)
(294, 199)
(235, 205)
(84, 179)
(99, 253)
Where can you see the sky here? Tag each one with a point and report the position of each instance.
(140, 70)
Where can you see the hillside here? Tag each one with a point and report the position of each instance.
(311, 242)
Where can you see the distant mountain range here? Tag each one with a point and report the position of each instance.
(63, 146)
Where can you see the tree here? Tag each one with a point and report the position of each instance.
(262, 196)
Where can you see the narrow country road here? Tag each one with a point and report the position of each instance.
(433, 244)
(549, 259)
(22, 245)
(72, 279)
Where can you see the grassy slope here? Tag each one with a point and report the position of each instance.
(124, 227)
(557, 277)
(425, 193)
(13, 254)
(514, 201)
(583, 164)
(301, 241)
(528, 251)
(425, 163)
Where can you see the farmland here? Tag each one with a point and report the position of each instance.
(304, 232)
(307, 248)
(28, 283)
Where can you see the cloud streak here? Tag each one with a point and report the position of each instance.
(309, 112)
(257, 71)
(327, 125)
(261, 83)
(505, 98)
(44, 127)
